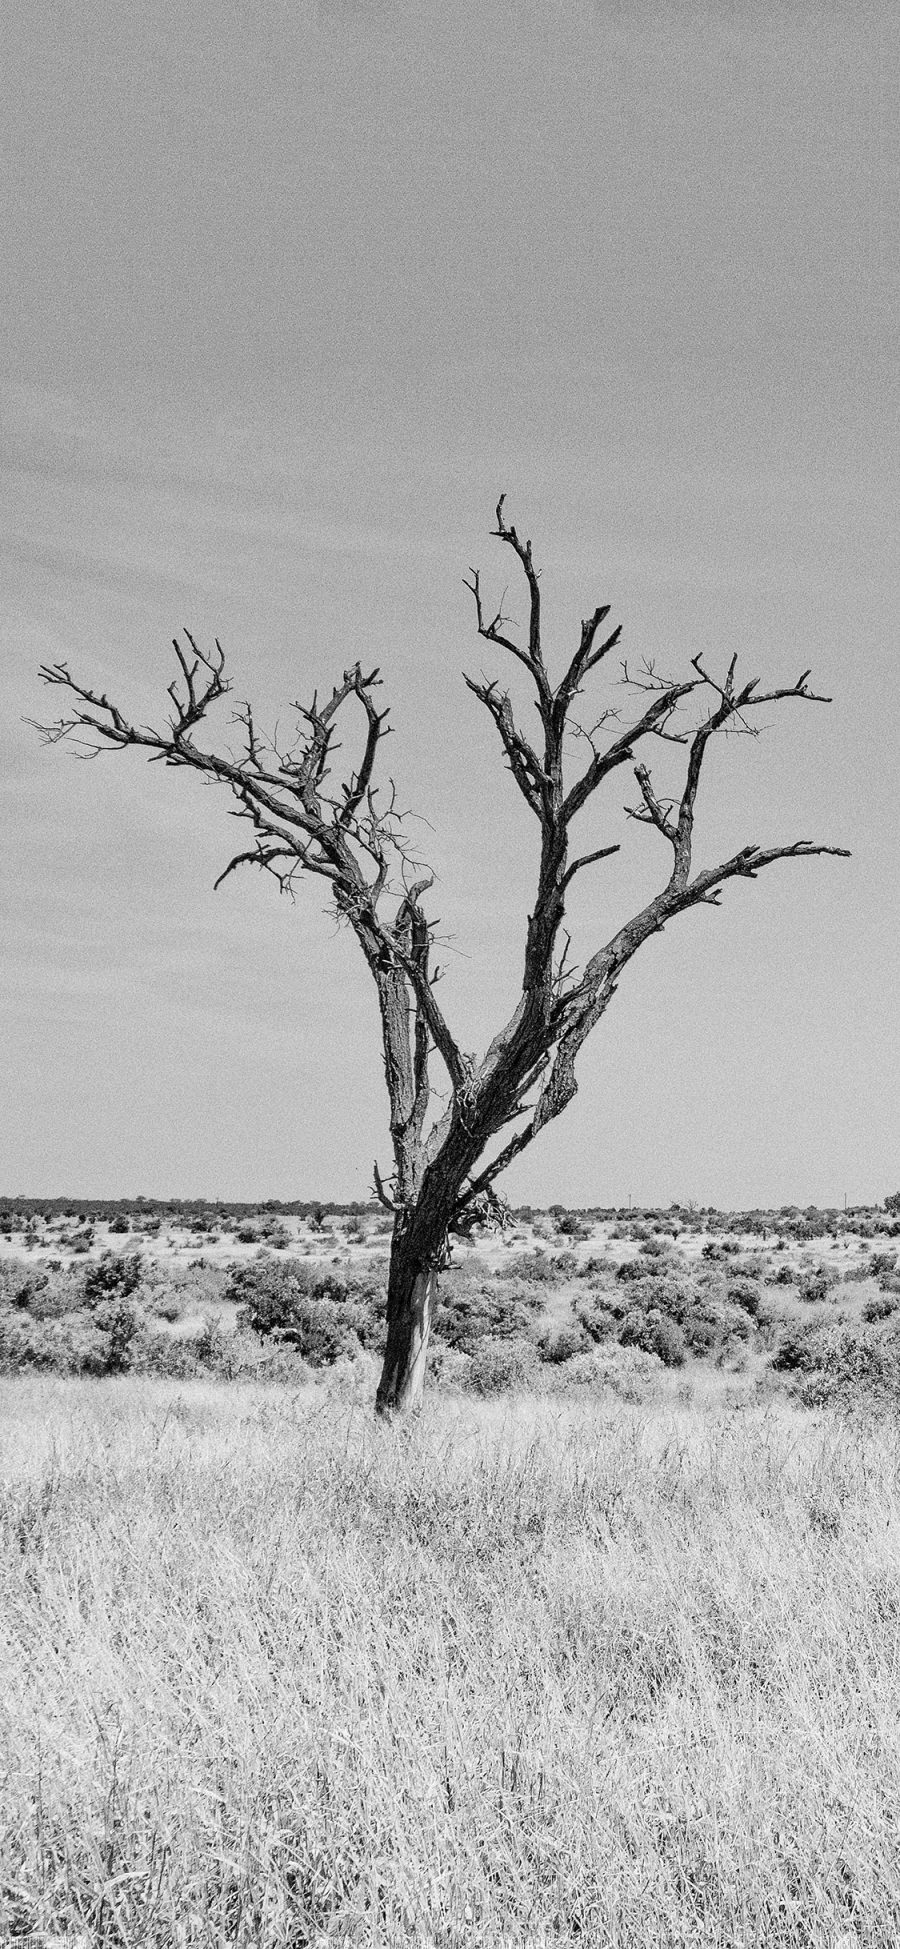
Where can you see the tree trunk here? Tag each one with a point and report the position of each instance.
(412, 1297)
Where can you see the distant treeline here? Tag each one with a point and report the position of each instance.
(174, 1208)
(171, 1209)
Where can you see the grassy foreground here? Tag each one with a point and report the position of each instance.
(528, 1673)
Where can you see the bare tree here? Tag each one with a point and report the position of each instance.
(446, 1159)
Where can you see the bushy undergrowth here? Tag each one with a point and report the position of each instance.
(326, 1315)
(472, 1310)
(540, 1316)
(835, 1363)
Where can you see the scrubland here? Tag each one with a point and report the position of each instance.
(605, 1649)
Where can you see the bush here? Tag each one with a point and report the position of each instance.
(563, 1344)
(269, 1292)
(497, 1365)
(113, 1276)
(324, 1316)
(52, 1298)
(167, 1306)
(323, 1333)
(536, 1265)
(639, 1268)
(879, 1307)
(119, 1320)
(654, 1333)
(598, 1266)
(624, 1371)
(471, 1311)
(814, 1287)
(744, 1294)
(570, 1225)
(852, 1367)
(599, 1314)
(797, 1347)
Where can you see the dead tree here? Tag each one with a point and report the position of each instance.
(350, 834)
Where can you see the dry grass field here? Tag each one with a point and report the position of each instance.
(590, 1672)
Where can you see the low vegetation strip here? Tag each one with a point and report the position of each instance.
(525, 1672)
(805, 1301)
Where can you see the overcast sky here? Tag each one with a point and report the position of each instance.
(292, 293)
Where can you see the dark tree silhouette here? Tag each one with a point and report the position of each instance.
(352, 835)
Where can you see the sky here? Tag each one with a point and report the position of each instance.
(292, 293)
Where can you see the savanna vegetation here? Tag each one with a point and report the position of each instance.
(603, 1650)
(588, 1669)
(555, 1302)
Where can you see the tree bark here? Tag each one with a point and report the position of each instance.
(412, 1298)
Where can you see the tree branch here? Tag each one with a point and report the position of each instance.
(524, 763)
(622, 748)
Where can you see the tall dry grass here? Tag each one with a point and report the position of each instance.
(524, 1674)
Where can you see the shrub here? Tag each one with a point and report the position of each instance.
(20, 1341)
(324, 1317)
(703, 1321)
(119, 1320)
(599, 1314)
(497, 1365)
(744, 1294)
(624, 1371)
(269, 1292)
(653, 1332)
(796, 1349)
(113, 1275)
(750, 1265)
(167, 1306)
(213, 1347)
(195, 1285)
(563, 1344)
(598, 1266)
(879, 1307)
(814, 1287)
(471, 1311)
(852, 1367)
(120, 1223)
(322, 1332)
(713, 1250)
(570, 1225)
(785, 1276)
(536, 1265)
(639, 1268)
(51, 1298)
